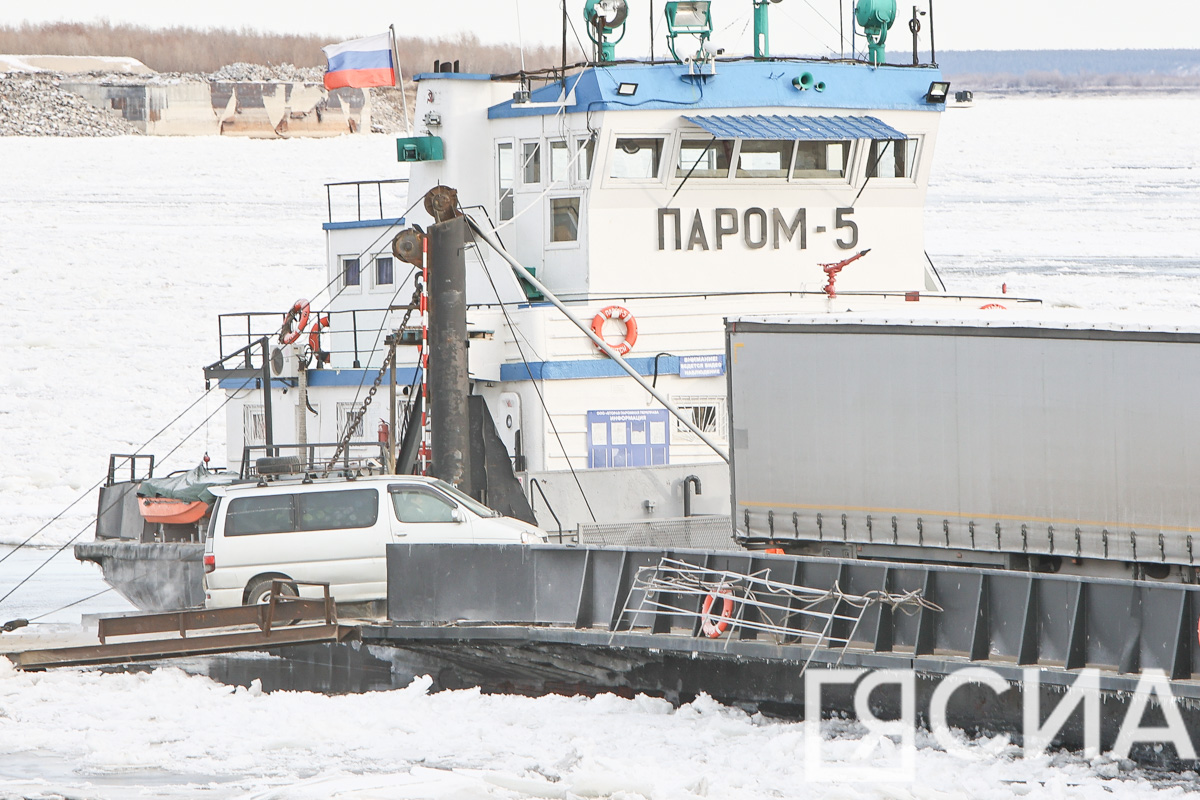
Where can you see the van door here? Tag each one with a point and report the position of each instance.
(420, 514)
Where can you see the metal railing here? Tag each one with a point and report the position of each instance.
(385, 195)
(313, 458)
(237, 331)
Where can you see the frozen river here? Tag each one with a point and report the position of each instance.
(116, 255)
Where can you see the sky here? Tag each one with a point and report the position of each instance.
(798, 26)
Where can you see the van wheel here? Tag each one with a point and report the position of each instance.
(260, 591)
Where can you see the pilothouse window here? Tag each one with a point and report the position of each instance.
(892, 158)
(764, 159)
(821, 159)
(637, 157)
(559, 159)
(504, 179)
(583, 164)
(531, 160)
(709, 157)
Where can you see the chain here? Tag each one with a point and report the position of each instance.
(356, 420)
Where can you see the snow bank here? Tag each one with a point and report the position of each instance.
(176, 734)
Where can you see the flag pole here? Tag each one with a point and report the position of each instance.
(400, 80)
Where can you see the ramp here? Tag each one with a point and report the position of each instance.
(284, 620)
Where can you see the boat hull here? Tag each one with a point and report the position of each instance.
(153, 576)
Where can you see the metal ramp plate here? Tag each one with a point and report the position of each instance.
(283, 620)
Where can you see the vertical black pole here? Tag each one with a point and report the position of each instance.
(268, 423)
(932, 49)
(564, 52)
(448, 386)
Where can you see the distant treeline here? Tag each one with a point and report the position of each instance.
(204, 51)
(1067, 69)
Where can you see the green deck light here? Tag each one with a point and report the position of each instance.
(691, 17)
(875, 17)
(603, 18)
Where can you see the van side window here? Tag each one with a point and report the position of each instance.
(323, 511)
(413, 505)
(269, 514)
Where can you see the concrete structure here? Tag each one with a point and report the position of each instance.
(232, 108)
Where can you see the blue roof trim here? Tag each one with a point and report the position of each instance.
(585, 368)
(807, 128)
(328, 377)
(452, 76)
(741, 84)
(362, 223)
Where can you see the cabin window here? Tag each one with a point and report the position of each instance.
(764, 159)
(350, 508)
(350, 272)
(583, 164)
(254, 424)
(706, 412)
(414, 505)
(345, 411)
(383, 271)
(892, 158)
(504, 179)
(564, 219)
(637, 157)
(531, 162)
(821, 159)
(710, 158)
(560, 161)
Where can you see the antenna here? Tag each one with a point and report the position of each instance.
(520, 35)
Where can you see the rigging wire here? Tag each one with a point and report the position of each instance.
(536, 388)
(85, 528)
(97, 484)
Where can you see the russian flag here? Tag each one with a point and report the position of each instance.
(360, 63)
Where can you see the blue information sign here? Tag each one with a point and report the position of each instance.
(636, 438)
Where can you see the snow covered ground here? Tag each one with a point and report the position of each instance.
(116, 255)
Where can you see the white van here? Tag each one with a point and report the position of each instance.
(335, 532)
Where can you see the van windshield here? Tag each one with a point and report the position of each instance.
(466, 499)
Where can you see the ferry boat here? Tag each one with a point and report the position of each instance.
(651, 199)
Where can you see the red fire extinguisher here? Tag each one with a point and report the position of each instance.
(384, 431)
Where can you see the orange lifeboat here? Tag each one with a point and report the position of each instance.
(168, 511)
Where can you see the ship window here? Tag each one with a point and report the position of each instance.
(504, 179)
(710, 157)
(324, 511)
(531, 160)
(270, 514)
(637, 157)
(560, 161)
(892, 158)
(413, 505)
(583, 164)
(383, 272)
(821, 159)
(764, 159)
(254, 424)
(705, 412)
(344, 412)
(350, 272)
(564, 219)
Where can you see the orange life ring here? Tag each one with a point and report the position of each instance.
(314, 339)
(710, 628)
(625, 316)
(986, 306)
(298, 314)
